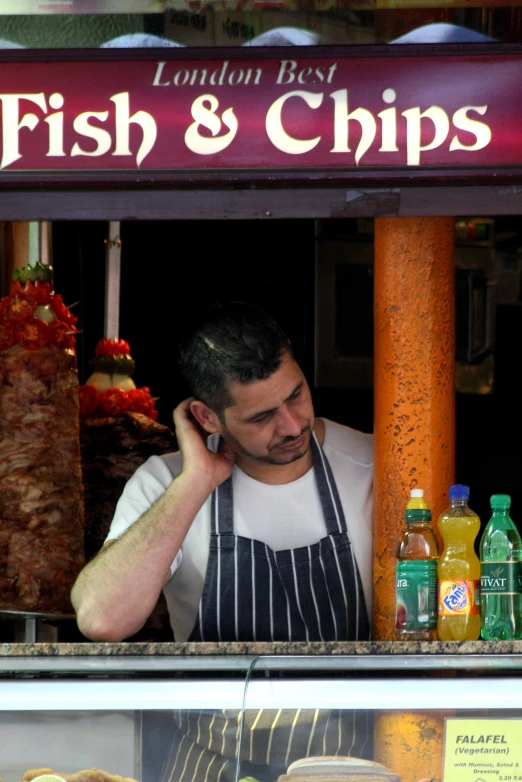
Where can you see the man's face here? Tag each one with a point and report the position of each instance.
(270, 420)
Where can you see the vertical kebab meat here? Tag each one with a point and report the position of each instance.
(118, 432)
(41, 492)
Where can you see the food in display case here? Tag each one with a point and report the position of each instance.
(87, 775)
(41, 493)
(337, 768)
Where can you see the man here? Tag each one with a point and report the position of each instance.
(259, 528)
(300, 489)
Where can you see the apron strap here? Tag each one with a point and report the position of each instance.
(222, 509)
(329, 496)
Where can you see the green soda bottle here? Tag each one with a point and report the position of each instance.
(500, 575)
(416, 574)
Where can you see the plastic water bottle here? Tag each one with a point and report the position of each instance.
(500, 575)
(416, 574)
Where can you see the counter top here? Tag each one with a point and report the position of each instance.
(251, 648)
(143, 659)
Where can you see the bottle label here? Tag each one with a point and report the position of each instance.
(500, 578)
(459, 598)
(416, 594)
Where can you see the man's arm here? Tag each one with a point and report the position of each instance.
(116, 592)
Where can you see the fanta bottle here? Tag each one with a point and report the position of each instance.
(458, 570)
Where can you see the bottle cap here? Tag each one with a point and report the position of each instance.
(459, 492)
(416, 492)
(500, 502)
(417, 514)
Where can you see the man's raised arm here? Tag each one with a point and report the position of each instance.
(116, 592)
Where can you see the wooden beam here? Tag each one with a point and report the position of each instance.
(260, 203)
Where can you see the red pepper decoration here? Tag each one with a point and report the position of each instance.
(112, 347)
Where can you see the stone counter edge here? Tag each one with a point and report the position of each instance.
(204, 649)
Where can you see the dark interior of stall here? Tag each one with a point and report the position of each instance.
(316, 278)
(169, 270)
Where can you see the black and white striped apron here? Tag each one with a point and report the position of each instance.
(252, 593)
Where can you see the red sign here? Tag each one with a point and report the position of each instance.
(246, 112)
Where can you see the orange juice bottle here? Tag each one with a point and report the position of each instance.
(458, 570)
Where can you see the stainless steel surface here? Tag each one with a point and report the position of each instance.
(31, 627)
(34, 615)
(112, 281)
(129, 665)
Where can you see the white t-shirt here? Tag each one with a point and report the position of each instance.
(283, 516)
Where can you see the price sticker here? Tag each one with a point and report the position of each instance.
(483, 750)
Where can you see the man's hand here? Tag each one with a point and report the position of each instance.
(198, 461)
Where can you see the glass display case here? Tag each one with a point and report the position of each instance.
(143, 713)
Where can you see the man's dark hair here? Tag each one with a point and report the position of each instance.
(233, 341)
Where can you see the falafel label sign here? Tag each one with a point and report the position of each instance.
(174, 112)
(483, 750)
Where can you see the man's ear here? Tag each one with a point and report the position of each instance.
(205, 416)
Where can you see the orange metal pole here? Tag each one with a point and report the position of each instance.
(414, 385)
(414, 426)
